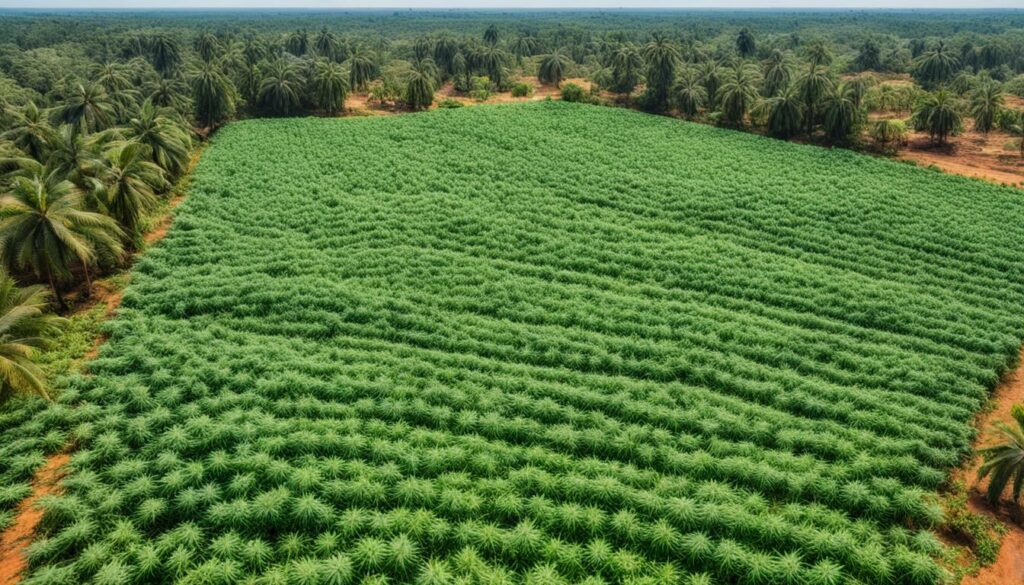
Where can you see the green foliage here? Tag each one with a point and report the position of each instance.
(349, 374)
(522, 89)
(572, 92)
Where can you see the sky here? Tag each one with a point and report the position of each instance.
(505, 4)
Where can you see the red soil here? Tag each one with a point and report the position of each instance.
(1009, 567)
(14, 540)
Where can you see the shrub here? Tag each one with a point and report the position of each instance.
(572, 92)
(522, 89)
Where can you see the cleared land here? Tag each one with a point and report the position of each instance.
(540, 341)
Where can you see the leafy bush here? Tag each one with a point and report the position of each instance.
(449, 103)
(572, 92)
(522, 89)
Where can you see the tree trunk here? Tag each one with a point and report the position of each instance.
(60, 300)
(88, 280)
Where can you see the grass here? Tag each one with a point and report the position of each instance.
(544, 342)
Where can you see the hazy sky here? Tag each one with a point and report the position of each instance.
(529, 4)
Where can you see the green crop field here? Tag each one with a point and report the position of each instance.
(541, 343)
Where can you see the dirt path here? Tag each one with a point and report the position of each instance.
(1009, 567)
(14, 540)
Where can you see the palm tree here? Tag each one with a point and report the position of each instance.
(31, 132)
(745, 43)
(777, 74)
(419, 89)
(280, 90)
(491, 35)
(169, 144)
(213, 95)
(326, 45)
(165, 53)
(297, 42)
(813, 87)
(711, 78)
(74, 157)
(869, 56)
(688, 95)
(841, 113)
(45, 228)
(785, 113)
(25, 327)
(445, 49)
(818, 54)
(131, 182)
(494, 62)
(523, 46)
(88, 108)
(170, 92)
(627, 69)
(986, 103)
(936, 66)
(1017, 129)
(938, 115)
(207, 46)
(1005, 462)
(329, 87)
(889, 132)
(552, 68)
(738, 93)
(360, 70)
(662, 59)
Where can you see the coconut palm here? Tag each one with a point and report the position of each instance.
(986, 103)
(31, 132)
(1005, 462)
(165, 53)
(131, 182)
(937, 65)
(297, 42)
(281, 88)
(776, 74)
(818, 54)
(746, 46)
(74, 157)
(938, 114)
(841, 113)
(627, 69)
(491, 35)
(213, 95)
(523, 46)
(329, 87)
(207, 46)
(553, 67)
(46, 229)
(170, 92)
(711, 78)
(784, 113)
(662, 59)
(813, 87)
(419, 88)
(326, 45)
(25, 327)
(493, 60)
(688, 94)
(88, 108)
(168, 142)
(738, 93)
(360, 70)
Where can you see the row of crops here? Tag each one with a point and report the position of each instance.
(542, 343)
